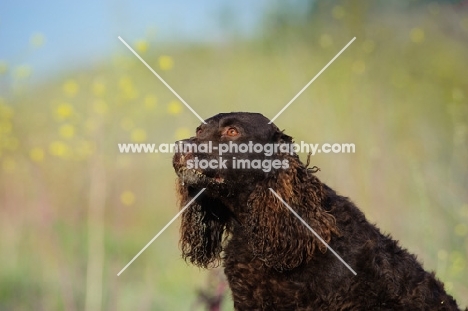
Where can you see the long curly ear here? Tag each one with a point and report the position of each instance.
(201, 230)
(276, 235)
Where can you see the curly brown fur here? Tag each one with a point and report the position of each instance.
(271, 260)
(269, 221)
(202, 229)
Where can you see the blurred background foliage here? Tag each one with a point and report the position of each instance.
(74, 211)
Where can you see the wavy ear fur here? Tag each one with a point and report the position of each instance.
(276, 235)
(202, 229)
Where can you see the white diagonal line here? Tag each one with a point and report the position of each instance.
(162, 80)
(162, 230)
(312, 230)
(313, 79)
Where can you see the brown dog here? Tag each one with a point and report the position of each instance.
(272, 261)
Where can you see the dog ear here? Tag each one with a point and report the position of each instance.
(201, 230)
(280, 137)
(277, 237)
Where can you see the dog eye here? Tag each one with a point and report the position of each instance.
(232, 132)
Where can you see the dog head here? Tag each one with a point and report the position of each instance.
(237, 158)
(230, 149)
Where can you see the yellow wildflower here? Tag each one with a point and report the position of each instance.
(67, 131)
(23, 72)
(58, 149)
(150, 101)
(141, 46)
(165, 62)
(174, 107)
(64, 111)
(70, 88)
(127, 198)
(138, 135)
(127, 87)
(36, 154)
(99, 88)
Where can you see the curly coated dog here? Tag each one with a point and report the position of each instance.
(271, 259)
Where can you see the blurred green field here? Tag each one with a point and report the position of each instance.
(74, 212)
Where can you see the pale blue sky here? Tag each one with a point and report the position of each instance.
(80, 32)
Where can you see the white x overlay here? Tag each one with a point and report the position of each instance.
(313, 231)
(277, 115)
